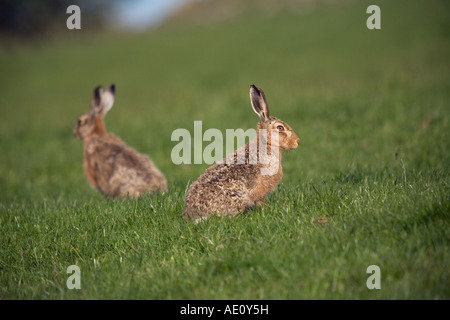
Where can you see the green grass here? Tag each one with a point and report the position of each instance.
(371, 109)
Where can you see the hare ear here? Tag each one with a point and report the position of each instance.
(108, 98)
(103, 100)
(96, 98)
(259, 103)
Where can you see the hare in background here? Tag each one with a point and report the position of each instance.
(246, 177)
(111, 166)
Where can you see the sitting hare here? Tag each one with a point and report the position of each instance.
(111, 166)
(246, 177)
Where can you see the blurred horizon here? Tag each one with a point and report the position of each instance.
(31, 19)
(140, 15)
(28, 19)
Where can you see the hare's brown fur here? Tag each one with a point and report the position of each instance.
(111, 166)
(229, 187)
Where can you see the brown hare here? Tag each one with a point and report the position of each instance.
(246, 177)
(111, 166)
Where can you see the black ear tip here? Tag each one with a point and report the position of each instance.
(112, 88)
(97, 91)
(254, 89)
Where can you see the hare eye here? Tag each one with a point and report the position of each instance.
(280, 128)
(80, 122)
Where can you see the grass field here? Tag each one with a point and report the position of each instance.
(369, 184)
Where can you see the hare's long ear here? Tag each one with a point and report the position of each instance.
(259, 103)
(103, 100)
(96, 99)
(108, 98)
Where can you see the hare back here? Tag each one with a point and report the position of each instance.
(223, 189)
(119, 170)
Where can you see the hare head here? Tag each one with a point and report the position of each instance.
(287, 138)
(91, 122)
